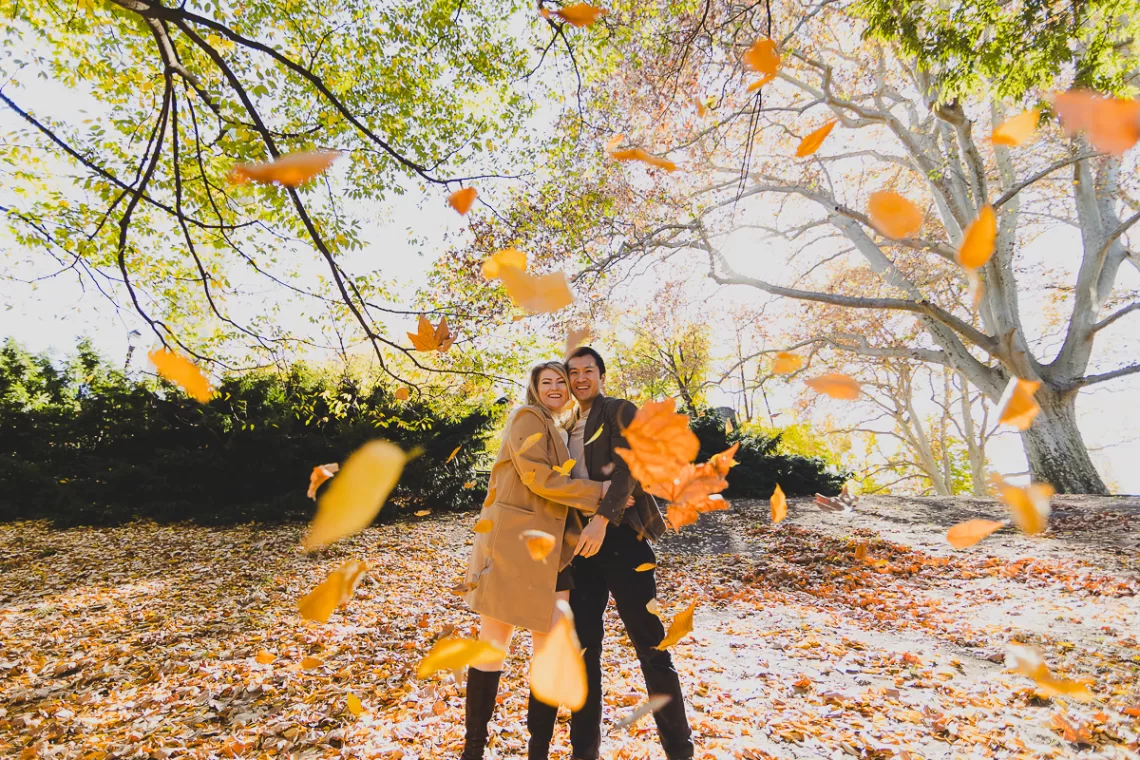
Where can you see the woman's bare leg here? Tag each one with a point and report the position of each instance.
(498, 633)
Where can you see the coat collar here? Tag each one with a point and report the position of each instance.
(592, 422)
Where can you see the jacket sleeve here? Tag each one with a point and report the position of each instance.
(582, 495)
(622, 484)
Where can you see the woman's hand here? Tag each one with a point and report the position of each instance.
(592, 536)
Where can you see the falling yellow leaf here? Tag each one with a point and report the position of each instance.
(565, 467)
(291, 170)
(265, 657)
(971, 532)
(576, 337)
(893, 215)
(461, 200)
(638, 154)
(469, 484)
(778, 504)
(1017, 406)
(539, 543)
(402, 393)
(681, 627)
(336, 590)
(760, 82)
(762, 57)
(529, 441)
(507, 257)
(1028, 661)
(653, 607)
(557, 670)
(311, 663)
(527, 478)
(974, 289)
(644, 567)
(813, 141)
(594, 437)
(579, 14)
(428, 338)
(728, 428)
(319, 475)
(453, 453)
(484, 526)
(786, 363)
(356, 494)
(537, 294)
(861, 551)
(1112, 124)
(183, 373)
(836, 385)
(354, 705)
(1015, 131)
(1029, 507)
(978, 242)
(422, 513)
(455, 653)
(653, 704)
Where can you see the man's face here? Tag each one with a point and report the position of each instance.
(585, 379)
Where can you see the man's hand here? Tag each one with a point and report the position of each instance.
(590, 542)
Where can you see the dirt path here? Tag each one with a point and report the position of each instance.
(142, 641)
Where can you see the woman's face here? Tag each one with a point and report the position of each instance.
(552, 390)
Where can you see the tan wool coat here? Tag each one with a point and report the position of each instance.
(526, 493)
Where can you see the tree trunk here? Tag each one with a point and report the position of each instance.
(974, 441)
(1057, 454)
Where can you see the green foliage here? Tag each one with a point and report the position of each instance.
(81, 443)
(760, 465)
(1014, 48)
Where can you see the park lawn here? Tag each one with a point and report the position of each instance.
(143, 640)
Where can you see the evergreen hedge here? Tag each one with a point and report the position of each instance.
(82, 443)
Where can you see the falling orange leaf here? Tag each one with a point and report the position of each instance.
(469, 484)
(1028, 661)
(527, 478)
(578, 15)
(183, 373)
(762, 57)
(893, 215)
(576, 337)
(779, 505)
(644, 567)
(1112, 125)
(291, 170)
(653, 704)
(428, 338)
(1015, 131)
(507, 257)
(335, 591)
(702, 109)
(265, 657)
(975, 289)
(356, 493)
(565, 467)
(786, 363)
(971, 532)
(320, 474)
(613, 142)
(453, 453)
(811, 143)
(836, 385)
(760, 82)
(637, 154)
(681, 627)
(539, 543)
(354, 705)
(461, 200)
(557, 670)
(978, 242)
(422, 513)
(861, 551)
(1029, 507)
(660, 441)
(484, 526)
(653, 608)
(311, 663)
(455, 653)
(529, 441)
(402, 393)
(1017, 407)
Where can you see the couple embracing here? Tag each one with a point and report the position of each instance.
(602, 522)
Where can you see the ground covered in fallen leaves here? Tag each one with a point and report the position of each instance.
(176, 641)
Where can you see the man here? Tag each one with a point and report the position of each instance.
(612, 546)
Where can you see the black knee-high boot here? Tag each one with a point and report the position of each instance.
(482, 688)
(540, 718)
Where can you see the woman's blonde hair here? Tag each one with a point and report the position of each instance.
(569, 413)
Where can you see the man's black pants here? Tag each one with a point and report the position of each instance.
(612, 571)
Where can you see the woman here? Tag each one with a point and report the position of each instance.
(508, 588)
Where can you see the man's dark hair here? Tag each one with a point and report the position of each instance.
(581, 351)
